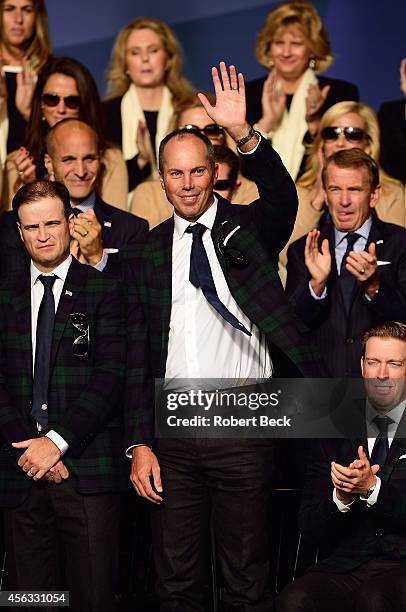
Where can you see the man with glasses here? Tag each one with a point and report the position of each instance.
(352, 273)
(62, 338)
(353, 502)
(101, 231)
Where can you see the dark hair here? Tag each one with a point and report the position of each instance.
(33, 192)
(90, 107)
(354, 158)
(181, 134)
(388, 329)
(224, 155)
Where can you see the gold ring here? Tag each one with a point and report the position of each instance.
(362, 270)
(85, 234)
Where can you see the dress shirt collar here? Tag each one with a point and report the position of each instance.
(86, 204)
(207, 219)
(363, 231)
(395, 414)
(60, 271)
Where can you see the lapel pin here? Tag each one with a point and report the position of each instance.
(379, 242)
(107, 224)
(68, 293)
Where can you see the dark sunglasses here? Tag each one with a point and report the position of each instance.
(52, 100)
(351, 134)
(212, 129)
(80, 346)
(223, 185)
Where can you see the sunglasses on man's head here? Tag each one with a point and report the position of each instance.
(212, 129)
(351, 134)
(72, 102)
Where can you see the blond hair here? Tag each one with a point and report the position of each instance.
(371, 128)
(308, 20)
(38, 47)
(117, 79)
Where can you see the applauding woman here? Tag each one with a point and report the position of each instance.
(287, 105)
(144, 80)
(65, 89)
(24, 49)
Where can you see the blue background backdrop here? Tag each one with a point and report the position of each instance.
(367, 36)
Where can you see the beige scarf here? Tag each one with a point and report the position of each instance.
(132, 113)
(287, 140)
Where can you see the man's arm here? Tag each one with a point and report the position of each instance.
(275, 212)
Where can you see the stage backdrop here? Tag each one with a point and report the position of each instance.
(367, 36)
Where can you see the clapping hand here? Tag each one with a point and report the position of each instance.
(317, 262)
(25, 82)
(273, 102)
(403, 76)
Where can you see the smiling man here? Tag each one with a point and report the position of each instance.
(61, 373)
(207, 283)
(351, 273)
(353, 501)
(101, 231)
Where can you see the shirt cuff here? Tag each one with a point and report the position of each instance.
(128, 452)
(252, 150)
(103, 262)
(317, 297)
(58, 440)
(341, 507)
(373, 498)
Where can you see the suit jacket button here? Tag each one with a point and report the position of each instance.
(350, 340)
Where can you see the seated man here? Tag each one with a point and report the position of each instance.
(354, 496)
(101, 231)
(352, 273)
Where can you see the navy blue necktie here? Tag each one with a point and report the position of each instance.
(45, 329)
(200, 276)
(347, 280)
(381, 447)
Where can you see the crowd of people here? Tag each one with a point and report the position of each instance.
(165, 234)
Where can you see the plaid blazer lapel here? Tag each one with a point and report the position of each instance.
(160, 255)
(70, 292)
(22, 309)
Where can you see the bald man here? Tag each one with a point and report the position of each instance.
(101, 231)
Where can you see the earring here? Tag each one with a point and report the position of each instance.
(312, 63)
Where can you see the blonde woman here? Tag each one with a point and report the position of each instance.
(345, 125)
(287, 104)
(144, 80)
(24, 49)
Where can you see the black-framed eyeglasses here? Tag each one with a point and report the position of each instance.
(52, 100)
(223, 184)
(212, 129)
(234, 257)
(80, 346)
(352, 134)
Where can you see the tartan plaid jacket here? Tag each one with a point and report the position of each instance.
(348, 540)
(84, 402)
(263, 229)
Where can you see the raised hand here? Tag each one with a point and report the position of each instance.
(230, 108)
(87, 232)
(144, 145)
(25, 81)
(315, 98)
(273, 102)
(27, 170)
(363, 265)
(403, 76)
(318, 263)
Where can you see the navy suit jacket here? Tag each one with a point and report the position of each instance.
(338, 335)
(119, 230)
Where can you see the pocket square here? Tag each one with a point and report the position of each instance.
(402, 457)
